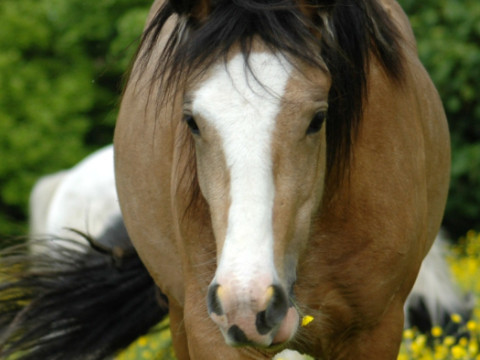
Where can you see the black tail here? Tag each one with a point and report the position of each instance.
(74, 301)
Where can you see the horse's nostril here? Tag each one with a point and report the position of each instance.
(213, 301)
(237, 335)
(263, 326)
(275, 311)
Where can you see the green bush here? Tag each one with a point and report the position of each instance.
(448, 35)
(61, 66)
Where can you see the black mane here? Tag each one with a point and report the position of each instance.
(356, 29)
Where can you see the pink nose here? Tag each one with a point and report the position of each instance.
(261, 318)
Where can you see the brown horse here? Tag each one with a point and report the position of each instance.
(281, 158)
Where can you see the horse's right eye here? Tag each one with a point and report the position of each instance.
(192, 124)
(317, 122)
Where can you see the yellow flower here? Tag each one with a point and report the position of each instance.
(449, 341)
(307, 319)
(437, 331)
(473, 347)
(456, 318)
(418, 344)
(458, 352)
(463, 342)
(408, 334)
(441, 352)
(142, 341)
(471, 325)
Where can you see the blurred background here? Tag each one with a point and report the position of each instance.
(61, 72)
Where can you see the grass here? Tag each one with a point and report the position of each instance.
(156, 345)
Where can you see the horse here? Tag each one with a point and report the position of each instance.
(63, 291)
(279, 160)
(83, 198)
(87, 204)
(282, 159)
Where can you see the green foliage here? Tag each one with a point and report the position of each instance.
(61, 66)
(448, 35)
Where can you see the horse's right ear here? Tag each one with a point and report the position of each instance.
(196, 9)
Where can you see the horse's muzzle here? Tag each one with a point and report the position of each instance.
(255, 317)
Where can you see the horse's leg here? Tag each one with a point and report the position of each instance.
(381, 342)
(177, 328)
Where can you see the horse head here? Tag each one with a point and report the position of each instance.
(260, 145)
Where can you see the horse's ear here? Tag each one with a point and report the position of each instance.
(196, 9)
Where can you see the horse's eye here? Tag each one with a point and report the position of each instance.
(317, 122)
(192, 124)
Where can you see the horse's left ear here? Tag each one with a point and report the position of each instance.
(196, 9)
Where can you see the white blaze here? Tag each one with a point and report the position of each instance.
(243, 109)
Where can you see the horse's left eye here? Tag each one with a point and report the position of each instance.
(317, 122)
(192, 124)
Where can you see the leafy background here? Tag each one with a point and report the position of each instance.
(448, 35)
(61, 67)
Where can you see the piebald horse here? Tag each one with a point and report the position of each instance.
(276, 159)
(82, 198)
